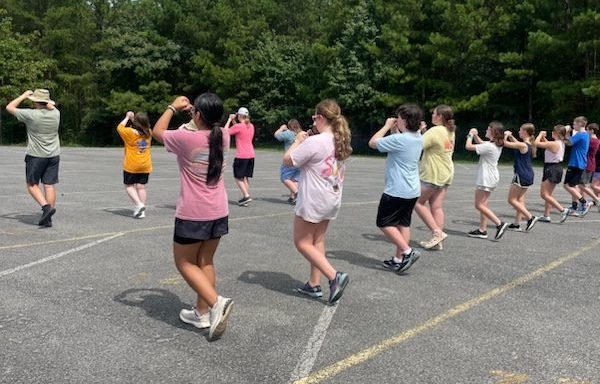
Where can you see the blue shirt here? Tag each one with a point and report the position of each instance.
(402, 163)
(288, 137)
(580, 143)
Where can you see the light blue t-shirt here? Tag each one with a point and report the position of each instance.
(402, 164)
(580, 143)
(288, 137)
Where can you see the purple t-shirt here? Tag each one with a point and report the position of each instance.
(197, 201)
(321, 178)
(244, 134)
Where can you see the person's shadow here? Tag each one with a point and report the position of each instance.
(159, 304)
(31, 219)
(355, 258)
(275, 281)
(120, 211)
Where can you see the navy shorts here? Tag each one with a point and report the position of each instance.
(243, 168)
(190, 232)
(553, 173)
(395, 211)
(522, 182)
(135, 178)
(41, 168)
(573, 176)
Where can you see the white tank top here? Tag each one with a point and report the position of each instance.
(552, 157)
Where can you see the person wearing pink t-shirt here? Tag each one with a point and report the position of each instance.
(321, 161)
(243, 164)
(202, 212)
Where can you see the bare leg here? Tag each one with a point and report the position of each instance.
(436, 202)
(133, 194)
(186, 259)
(141, 191)
(242, 186)
(204, 261)
(516, 198)
(481, 204)
(423, 211)
(400, 236)
(291, 185)
(50, 193)
(35, 192)
(546, 191)
(307, 237)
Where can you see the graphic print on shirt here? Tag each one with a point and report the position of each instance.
(141, 145)
(333, 172)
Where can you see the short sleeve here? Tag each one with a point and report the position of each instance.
(428, 138)
(24, 115)
(124, 132)
(391, 143)
(303, 153)
(235, 129)
(171, 141)
(483, 149)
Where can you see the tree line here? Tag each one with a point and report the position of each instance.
(511, 60)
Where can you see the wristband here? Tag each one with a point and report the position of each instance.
(172, 108)
(469, 136)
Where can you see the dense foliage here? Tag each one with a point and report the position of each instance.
(512, 60)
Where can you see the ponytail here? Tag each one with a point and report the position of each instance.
(215, 155)
(342, 137)
(141, 123)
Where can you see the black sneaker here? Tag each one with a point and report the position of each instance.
(500, 229)
(243, 202)
(47, 212)
(531, 222)
(478, 234)
(514, 227)
(391, 265)
(408, 261)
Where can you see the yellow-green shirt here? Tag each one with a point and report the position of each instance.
(436, 166)
(137, 150)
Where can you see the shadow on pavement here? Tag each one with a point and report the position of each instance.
(278, 282)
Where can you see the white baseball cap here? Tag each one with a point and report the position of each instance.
(243, 111)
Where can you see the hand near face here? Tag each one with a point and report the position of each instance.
(473, 132)
(182, 103)
(301, 136)
(129, 115)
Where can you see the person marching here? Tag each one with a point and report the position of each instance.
(243, 164)
(554, 152)
(579, 141)
(320, 158)
(487, 176)
(202, 213)
(402, 187)
(137, 162)
(289, 175)
(436, 171)
(523, 178)
(43, 148)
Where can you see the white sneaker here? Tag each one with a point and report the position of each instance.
(218, 317)
(139, 211)
(435, 240)
(190, 316)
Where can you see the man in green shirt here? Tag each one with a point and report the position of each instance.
(43, 148)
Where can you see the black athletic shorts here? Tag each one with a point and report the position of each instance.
(553, 173)
(243, 168)
(395, 211)
(573, 176)
(41, 168)
(190, 232)
(135, 178)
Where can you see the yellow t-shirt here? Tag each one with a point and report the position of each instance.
(137, 150)
(436, 166)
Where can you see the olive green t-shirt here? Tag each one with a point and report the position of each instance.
(42, 131)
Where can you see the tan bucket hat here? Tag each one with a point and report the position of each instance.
(41, 96)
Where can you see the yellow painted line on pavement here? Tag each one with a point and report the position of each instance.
(371, 352)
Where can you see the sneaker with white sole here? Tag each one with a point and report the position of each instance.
(563, 215)
(190, 316)
(337, 286)
(435, 240)
(308, 290)
(139, 211)
(500, 229)
(218, 317)
(545, 219)
(478, 233)
(530, 223)
(515, 227)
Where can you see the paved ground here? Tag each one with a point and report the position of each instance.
(96, 298)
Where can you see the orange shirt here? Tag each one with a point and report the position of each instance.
(137, 150)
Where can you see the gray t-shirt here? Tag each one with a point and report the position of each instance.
(42, 131)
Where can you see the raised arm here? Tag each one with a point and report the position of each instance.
(230, 120)
(280, 130)
(128, 116)
(473, 136)
(181, 103)
(389, 124)
(12, 106)
(512, 143)
(287, 157)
